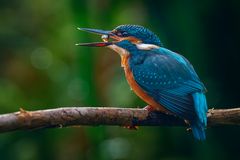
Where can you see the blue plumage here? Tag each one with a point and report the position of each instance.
(139, 32)
(171, 80)
(200, 105)
(157, 75)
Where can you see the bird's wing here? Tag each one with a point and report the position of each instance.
(169, 79)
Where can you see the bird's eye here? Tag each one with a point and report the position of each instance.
(119, 34)
(122, 33)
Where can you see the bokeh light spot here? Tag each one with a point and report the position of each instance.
(41, 58)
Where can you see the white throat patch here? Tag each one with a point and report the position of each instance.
(119, 50)
(140, 46)
(143, 46)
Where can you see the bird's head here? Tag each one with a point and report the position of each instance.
(124, 38)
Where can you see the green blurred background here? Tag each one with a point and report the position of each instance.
(40, 67)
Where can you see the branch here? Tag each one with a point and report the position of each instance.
(72, 116)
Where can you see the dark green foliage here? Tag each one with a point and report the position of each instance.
(40, 67)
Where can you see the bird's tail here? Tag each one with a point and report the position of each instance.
(198, 125)
(198, 131)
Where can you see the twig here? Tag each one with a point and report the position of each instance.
(72, 116)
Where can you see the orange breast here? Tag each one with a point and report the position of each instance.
(136, 88)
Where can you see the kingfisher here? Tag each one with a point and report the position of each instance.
(164, 79)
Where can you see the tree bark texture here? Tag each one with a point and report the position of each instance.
(94, 116)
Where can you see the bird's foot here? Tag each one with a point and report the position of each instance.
(131, 127)
(187, 122)
(189, 129)
(149, 108)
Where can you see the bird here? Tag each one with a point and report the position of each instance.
(164, 79)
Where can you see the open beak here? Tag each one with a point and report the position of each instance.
(105, 37)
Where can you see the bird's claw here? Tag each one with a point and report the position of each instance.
(149, 108)
(187, 122)
(189, 129)
(131, 127)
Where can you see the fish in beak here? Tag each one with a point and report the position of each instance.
(106, 35)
